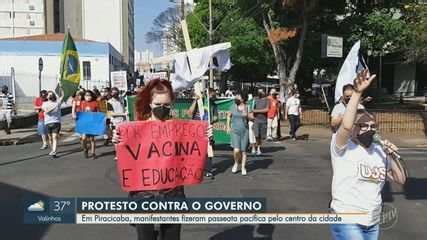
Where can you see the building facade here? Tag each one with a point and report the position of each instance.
(97, 61)
(98, 20)
(21, 18)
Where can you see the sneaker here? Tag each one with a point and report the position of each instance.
(269, 139)
(94, 156)
(52, 153)
(244, 173)
(44, 146)
(209, 175)
(235, 168)
(253, 152)
(294, 138)
(86, 153)
(258, 152)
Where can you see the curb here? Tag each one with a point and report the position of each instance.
(31, 138)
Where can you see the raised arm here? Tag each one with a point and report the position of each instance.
(361, 83)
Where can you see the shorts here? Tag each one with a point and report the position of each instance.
(41, 128)
(6, 115)
(53, 128)
(240, 139)
(260, 129)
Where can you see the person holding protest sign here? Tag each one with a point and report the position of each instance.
(89, 105)
(52, 118)
(360, 168)
(237, 125)
(154, 104)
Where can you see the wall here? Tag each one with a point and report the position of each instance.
(21, 18)
(24, 55)
(105, 27)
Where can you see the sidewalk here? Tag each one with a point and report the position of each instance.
(29, 134)
(400, 140)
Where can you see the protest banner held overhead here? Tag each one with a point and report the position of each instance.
(174, 156)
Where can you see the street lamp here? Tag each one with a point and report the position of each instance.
(40, 73)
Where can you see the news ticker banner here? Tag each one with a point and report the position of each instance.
(169, 211)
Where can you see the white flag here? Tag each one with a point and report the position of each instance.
(352, 65)
(192, 65)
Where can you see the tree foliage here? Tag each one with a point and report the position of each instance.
(416, 18)
(251, 58)
(166, 26)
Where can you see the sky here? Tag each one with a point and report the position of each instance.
(145, 12)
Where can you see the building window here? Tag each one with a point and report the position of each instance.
(87, 75)
(56, 16)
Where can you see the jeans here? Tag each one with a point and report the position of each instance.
(294, 124)
(355, 232)
(167, 231)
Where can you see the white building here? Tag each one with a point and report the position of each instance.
(21, 18)
(110, 21)
(143, 60)
(97, 61)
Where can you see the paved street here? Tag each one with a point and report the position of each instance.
(293, 176)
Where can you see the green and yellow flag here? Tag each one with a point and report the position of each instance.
(70, 67)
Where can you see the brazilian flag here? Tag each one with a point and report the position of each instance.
(70, 67)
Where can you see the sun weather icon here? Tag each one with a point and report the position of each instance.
(36, 207)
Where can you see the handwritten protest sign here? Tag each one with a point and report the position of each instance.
(155, 155)
(92, 123)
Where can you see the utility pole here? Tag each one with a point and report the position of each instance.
(210, 43)
(182, 9)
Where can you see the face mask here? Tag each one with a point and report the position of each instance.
(237, 101)
(366, 139)
(161, 113)
(346, 100)
(52, 98)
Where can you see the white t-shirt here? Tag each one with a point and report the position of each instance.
(293, 104)
(358, 177)
(117, 108)
(339, 109)
(55, 115)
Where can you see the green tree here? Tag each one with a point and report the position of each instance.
(250, 55)
(166, 26)
(416, 47)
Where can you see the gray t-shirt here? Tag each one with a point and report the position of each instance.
(53, 116)
(261, 104)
